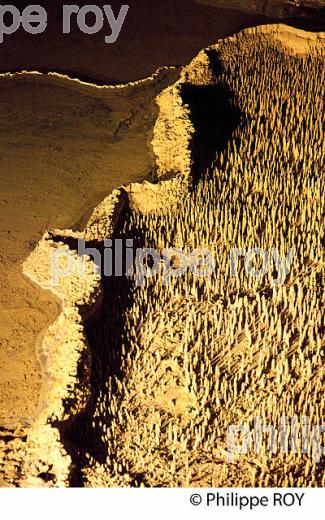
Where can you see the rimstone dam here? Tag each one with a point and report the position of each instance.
(137, 385)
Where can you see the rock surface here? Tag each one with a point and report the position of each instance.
(68, 364)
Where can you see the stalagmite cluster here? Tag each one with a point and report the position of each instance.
(183, 375)
(204, 353)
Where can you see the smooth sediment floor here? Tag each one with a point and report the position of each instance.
(63, 148)
(154, 34)
(105, 443)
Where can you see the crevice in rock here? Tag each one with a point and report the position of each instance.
(214, 116)
(104, 333)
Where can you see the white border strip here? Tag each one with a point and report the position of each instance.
(151, 503)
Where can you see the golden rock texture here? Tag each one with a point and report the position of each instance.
(141, 383)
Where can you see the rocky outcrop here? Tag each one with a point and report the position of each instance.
(174, 130)
(66, 356)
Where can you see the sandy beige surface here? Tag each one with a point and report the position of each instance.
(50, 179)
(143, 382)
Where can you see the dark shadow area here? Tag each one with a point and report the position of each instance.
(105, 333)
(214, 116)
(316, 22)
(154, 34)
(306, 18)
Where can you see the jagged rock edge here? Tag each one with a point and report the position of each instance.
(64, 342)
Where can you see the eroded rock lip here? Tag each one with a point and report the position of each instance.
(50, 179)
(172, 144)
